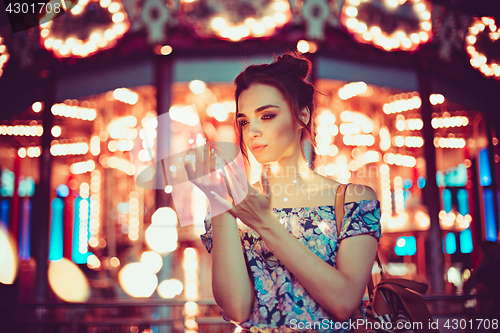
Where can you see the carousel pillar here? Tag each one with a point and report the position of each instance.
(476, 228)
(496, 107)
(493, 165)
(68, 222)
(493, 128)
(108, 204)
(163, 81)
(41, 219)
(16, 202)
(473, 202)
(435, 264)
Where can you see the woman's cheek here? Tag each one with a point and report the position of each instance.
(245, 137)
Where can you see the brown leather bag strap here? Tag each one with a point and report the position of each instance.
(339, 207)
(371, 287)
(377, 259)
(371, 284)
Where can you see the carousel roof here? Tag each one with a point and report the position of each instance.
(31, 64)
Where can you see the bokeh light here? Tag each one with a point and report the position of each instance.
(138, 280)
(8, 258)
(161, 235)
(170, 288)
(56, 131)
(68, 282)
(152, 260)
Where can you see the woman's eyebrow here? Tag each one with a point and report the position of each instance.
(259, 109)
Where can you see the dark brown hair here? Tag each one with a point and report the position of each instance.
(288, 74)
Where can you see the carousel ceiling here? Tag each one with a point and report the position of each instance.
(90, 31)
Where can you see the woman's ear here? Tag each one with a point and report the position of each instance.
(305, 115)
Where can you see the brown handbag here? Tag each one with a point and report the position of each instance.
(395, 305)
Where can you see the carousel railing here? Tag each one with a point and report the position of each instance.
(158, 315)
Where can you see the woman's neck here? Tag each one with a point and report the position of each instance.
(287, 171)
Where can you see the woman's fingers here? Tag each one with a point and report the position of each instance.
(204, 160)
(239, 174)
(239, 182)
(197, 162)
(226, 181)
(188, 165)
(213, 156)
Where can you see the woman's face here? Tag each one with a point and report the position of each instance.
(269, 128)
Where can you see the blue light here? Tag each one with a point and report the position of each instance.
(31, 190)
(4, 212)
(407, 184)
(408, 247)
(56, 230)
(7, 183)
(76, 255)
(26, 187)
(456, 176)
(440, 179)
(123, 208)
(447, 201)
(484, 168)
(466, 245)
(489, 216)
(451, 243)
(463, 201)
(63, 191)
(25, 230)
(406, 196)
(421, 182)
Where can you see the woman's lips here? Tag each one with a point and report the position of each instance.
(258, 148)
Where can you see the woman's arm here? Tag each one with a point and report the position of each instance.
(338, 290)
(231, 283)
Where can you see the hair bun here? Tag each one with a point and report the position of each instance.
(292, 64)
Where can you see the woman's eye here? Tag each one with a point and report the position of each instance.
(268, 116)
(265, 117)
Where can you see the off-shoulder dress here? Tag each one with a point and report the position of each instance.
(281, 302)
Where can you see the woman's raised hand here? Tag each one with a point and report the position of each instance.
(204, 169)
(199, 164)
(252, 206)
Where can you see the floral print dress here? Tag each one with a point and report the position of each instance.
(281, 302)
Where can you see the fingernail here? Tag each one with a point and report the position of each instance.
(213, 193)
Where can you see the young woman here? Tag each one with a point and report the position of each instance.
(286, 266)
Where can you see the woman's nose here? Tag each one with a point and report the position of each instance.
(255, 129)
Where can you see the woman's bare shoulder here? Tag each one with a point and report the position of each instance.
(324, 182)
(358, 192)
(354, 192)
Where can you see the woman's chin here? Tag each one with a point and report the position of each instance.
(262, 160)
